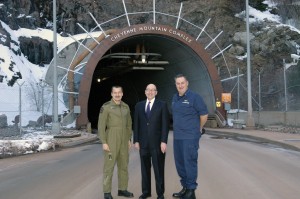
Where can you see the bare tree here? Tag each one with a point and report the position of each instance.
(34, 94)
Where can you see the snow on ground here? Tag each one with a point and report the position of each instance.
(27, 143)
(33, 141)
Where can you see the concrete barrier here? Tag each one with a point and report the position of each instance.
(267, 118)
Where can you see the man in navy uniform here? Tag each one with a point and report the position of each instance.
(189, 116)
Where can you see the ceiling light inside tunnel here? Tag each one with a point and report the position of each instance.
(143, 58)
(98, 80)
(147, 68)
(152, 62)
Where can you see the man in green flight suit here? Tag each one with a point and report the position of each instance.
(115, 131)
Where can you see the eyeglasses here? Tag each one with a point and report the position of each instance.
(150, 90)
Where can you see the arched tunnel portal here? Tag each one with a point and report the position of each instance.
(118, 60)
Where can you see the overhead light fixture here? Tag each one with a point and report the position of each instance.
(98, 80)
(147, 68)
(152, 62)
(143, 58)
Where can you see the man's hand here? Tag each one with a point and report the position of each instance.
(137, 145)
(105, 147)
(163, 147)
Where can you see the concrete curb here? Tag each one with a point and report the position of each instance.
(65, 143)
(266, 140)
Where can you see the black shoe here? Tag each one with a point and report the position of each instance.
(144, 196)
(203, 131)
(189, 194)
(180, 193)
(161, 197)
(125, 193)
(107, 196)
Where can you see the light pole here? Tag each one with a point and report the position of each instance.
(55, 123)
(250, 120)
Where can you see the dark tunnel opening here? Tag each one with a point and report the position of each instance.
(165, 57)
(133, 84)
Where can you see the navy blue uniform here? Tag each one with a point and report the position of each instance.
(187, 110)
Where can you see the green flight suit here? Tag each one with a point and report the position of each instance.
(115, 129)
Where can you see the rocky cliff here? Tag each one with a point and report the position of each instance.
(270, 43)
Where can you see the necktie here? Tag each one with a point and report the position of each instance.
(148, 110)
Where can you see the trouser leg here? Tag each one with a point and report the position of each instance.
(190, 157)
(179, 161)
(122, 163)
(108, 170)
(146, 170)
(158, 162)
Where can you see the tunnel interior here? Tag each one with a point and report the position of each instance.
(164, 57)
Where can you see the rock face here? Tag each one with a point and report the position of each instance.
(270, 44)
(38, 51)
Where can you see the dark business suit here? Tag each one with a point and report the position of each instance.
(149, 133)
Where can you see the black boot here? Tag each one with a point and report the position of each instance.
(107, 196)
(125, 193)
(189, 194)
(180, 193)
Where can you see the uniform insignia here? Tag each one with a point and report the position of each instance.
(186, 102)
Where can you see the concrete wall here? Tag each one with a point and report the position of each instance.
(267, 118)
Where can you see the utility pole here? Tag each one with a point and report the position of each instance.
(250, 121)
(55, 123)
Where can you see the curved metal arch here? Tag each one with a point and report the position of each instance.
(180, 19)
(101, 49)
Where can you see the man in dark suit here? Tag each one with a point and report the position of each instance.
(151, 128)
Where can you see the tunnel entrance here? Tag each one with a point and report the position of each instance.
(138, 55)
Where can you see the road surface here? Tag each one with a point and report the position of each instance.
(228, 169)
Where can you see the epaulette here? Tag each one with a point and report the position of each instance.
(102, 107)
(106, 103)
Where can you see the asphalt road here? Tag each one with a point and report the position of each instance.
(228, 169)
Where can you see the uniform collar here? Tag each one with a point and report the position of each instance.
(152, 101)
(114, 103)
(185, 94)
